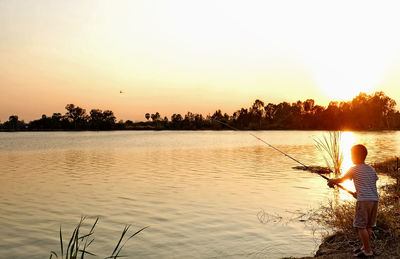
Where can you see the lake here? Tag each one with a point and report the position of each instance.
(200, 192)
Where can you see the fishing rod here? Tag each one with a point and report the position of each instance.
(285, 154)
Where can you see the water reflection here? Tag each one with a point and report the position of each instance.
(200, 192)
(347, 140)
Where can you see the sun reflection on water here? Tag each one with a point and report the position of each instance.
(347, 140)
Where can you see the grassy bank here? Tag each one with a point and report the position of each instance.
(339, 218)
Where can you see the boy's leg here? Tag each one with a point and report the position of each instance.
(364, 236)
(369, 230)
(365, 218)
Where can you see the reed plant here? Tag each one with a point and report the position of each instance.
(79, 243)
(331, 149)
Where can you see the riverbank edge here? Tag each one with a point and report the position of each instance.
(332, 244)
(205, 129)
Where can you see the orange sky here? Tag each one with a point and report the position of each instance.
(179, 56)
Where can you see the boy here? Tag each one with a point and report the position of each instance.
(365, 178)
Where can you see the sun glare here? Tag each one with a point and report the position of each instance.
(345, 81)
(347, 141)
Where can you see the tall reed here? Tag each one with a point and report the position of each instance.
(79, 243)
(332, 151)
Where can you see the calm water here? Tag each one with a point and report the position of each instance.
(199, 192)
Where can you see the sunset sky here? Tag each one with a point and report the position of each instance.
(199, 56)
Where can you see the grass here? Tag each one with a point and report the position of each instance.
(79, 243)
(329, 145)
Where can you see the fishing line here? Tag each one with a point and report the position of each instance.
(285, 154)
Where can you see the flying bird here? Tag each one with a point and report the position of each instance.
(121, 92)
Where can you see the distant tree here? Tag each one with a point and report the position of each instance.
(176, 118)
(57, 121)
(270, 111)
(365, 112)
(308, 105)
(101, 120)
(217, 115)
(284, 115)
(76, 115)
(257, 114)
(109, 118)
(45, 122)
(382, 106)
(96, 119)
(176, 121)
(13, 122)
(242, 118)
(155, 117)
(199, 121)
(129, 123)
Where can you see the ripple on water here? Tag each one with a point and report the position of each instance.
(199, 192)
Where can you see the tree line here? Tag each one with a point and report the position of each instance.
(365, 112)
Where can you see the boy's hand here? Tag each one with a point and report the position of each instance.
(332, 183)
(354, 195)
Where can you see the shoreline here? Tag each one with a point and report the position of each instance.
(244, 130)
(341, 242)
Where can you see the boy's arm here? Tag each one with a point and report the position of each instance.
(333, 182)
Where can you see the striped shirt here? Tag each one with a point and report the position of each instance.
(364, 177)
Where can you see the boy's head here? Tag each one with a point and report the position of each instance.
(358, 154)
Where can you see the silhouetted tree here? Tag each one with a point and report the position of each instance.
(13, 123)
(100, 120)
(57, 121)
(176, 121)
(365, 112)
(76, 115)
(257, 113)
(155, 117)
(270, 112)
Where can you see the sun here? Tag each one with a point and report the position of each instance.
(345, 81)
(344, 92)
(344, 71)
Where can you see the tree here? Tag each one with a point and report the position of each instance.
(308, 105)
(101, 120)
(270, 111)
(217, 115)
(176, 120)
(257, 112)
(155, 117)
(57, 121)
(76, 115)
(365, 111)
(13, 122)
(109, 117)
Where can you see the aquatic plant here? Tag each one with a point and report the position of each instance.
(75, 250)
(332, 152)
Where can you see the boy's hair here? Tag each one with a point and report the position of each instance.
(360, 151)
